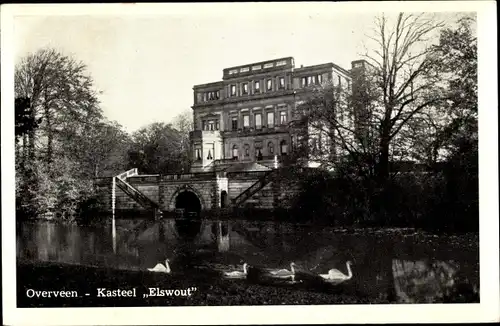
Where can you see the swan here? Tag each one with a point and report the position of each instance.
(238, 274)
(336, 275)
(160, 268)
(285, 273)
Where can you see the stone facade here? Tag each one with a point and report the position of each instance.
(207, 187)
(249, 115)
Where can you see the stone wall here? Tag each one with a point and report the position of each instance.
(164, 191)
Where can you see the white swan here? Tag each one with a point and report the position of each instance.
(160, 268)
(284, 273)
(335, 275)
(238, 274)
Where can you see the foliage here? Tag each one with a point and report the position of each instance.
(65, 141)
(25, 122)
(157, 148)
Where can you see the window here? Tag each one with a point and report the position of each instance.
(258, 121)
(217, 125)
(256, 67)
(209, 156)
(234, 123)
(204, 125)
(270, 119)
(270, 148)
(197, 154)
(340, 81)
(309, 80)
(235, 151)
(204, 97)
(268, 65)
(258, 150)
(304, 82)
(210, 96)
(244, 69)
(281, 63)
(259, 154)
(319, 79)
(247, 150)
(211, 125)
(257, 86)
(283, 147)
(245, 88)
(246, 121)
(217, 95)
(282, 82)
(283, 117)
(269, 85)
(233, 90)
(234, 71)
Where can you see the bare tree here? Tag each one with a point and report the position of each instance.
(406, 78)
(393, 110)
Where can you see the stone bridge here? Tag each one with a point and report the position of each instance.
(193, 192)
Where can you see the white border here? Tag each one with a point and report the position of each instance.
(488, 310)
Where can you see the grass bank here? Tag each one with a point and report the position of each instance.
(212, 292)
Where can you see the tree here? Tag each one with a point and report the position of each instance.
(183, 123)
(25, 123)
(156, 148)
(406, 80)
(56, 108)
(101, 150)
(415, 98)
(61, 92)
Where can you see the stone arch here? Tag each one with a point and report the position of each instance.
(186, 188)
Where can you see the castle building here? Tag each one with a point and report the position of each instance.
(246, 120)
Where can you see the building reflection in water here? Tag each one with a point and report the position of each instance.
(222, 236)
(227, 244)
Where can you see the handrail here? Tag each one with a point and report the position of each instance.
(126, 174)
(139, 196)
(259, 184)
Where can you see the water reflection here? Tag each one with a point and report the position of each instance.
(426, 281)
(188, 229)
(383, 268)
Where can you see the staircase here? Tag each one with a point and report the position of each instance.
(250, 191)
(134, 193)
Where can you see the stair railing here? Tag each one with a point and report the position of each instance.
(250, 191)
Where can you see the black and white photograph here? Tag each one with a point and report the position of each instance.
(331, 162)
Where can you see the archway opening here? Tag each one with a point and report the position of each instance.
(189, 204)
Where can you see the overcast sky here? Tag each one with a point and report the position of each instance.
(146, 64)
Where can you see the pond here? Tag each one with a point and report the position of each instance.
(398, 265)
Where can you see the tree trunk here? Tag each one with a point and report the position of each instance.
(31, 146)
(50, 136)
(24, 150)
(383, 163)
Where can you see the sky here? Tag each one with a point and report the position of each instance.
(145, 63)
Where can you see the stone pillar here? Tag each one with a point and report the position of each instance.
(275, 115)
(161, 194)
